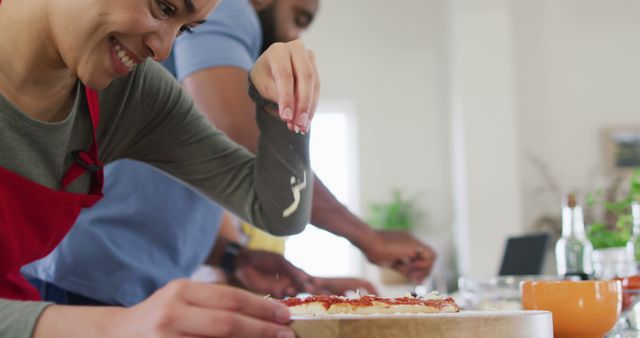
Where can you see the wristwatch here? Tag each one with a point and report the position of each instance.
(231, 251)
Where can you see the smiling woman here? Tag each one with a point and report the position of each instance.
(151, 34)
(74, 97)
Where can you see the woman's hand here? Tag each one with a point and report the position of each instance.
(181, 309)
(286, 73)
(189, 309)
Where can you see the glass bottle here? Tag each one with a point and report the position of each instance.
(633, 245)
(573, 249)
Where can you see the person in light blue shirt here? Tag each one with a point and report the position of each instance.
(145, 244)
(217, 87)
(232, 36)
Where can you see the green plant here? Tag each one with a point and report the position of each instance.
(399, 214)
(616, 229)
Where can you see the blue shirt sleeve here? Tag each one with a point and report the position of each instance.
(231, 36)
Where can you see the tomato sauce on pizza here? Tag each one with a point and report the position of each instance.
(325, 304)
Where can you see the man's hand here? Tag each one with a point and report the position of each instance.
(269, 273)
(402, 252)
(340, 286)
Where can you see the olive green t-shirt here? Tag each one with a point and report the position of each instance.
(148, 117)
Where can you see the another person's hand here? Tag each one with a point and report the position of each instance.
(340, 286)
(269, 273)
(402, 252)
(286, 74)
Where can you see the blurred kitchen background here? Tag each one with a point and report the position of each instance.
(484, 112)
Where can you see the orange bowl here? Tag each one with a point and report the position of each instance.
(580, 309)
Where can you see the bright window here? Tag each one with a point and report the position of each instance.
(334, 160)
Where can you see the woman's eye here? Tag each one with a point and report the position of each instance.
(185, 29)
(166, 9)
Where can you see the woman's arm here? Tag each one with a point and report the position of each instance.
(271, 190)
(19, 318)
(181, 309)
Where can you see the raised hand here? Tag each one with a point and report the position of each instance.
(286, 73)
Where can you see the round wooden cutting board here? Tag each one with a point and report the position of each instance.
(465, 324)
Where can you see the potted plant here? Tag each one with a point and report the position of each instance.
(610, 233)
(399, 214)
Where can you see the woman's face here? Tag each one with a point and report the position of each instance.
(99, 40)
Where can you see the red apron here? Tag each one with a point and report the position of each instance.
(35, 218)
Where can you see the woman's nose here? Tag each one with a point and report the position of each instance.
(160, 43)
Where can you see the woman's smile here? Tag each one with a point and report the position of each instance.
(123, 59)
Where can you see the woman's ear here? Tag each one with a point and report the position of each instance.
(261, 4)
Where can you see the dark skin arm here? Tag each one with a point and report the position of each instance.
(220, 94)
(269, 273)
(264, 272)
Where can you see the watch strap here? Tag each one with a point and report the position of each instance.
(229, 257)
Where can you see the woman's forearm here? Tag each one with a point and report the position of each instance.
(43, 320)
(59, 321)
(182, 308)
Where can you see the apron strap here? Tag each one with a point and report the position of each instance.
(87, 161)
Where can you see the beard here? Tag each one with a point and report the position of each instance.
(268, 24)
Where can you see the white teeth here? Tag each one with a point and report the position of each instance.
(126, 60)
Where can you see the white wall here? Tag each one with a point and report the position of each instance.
(485, 134)
(575, 70)
(578, 72)
(387, 57)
